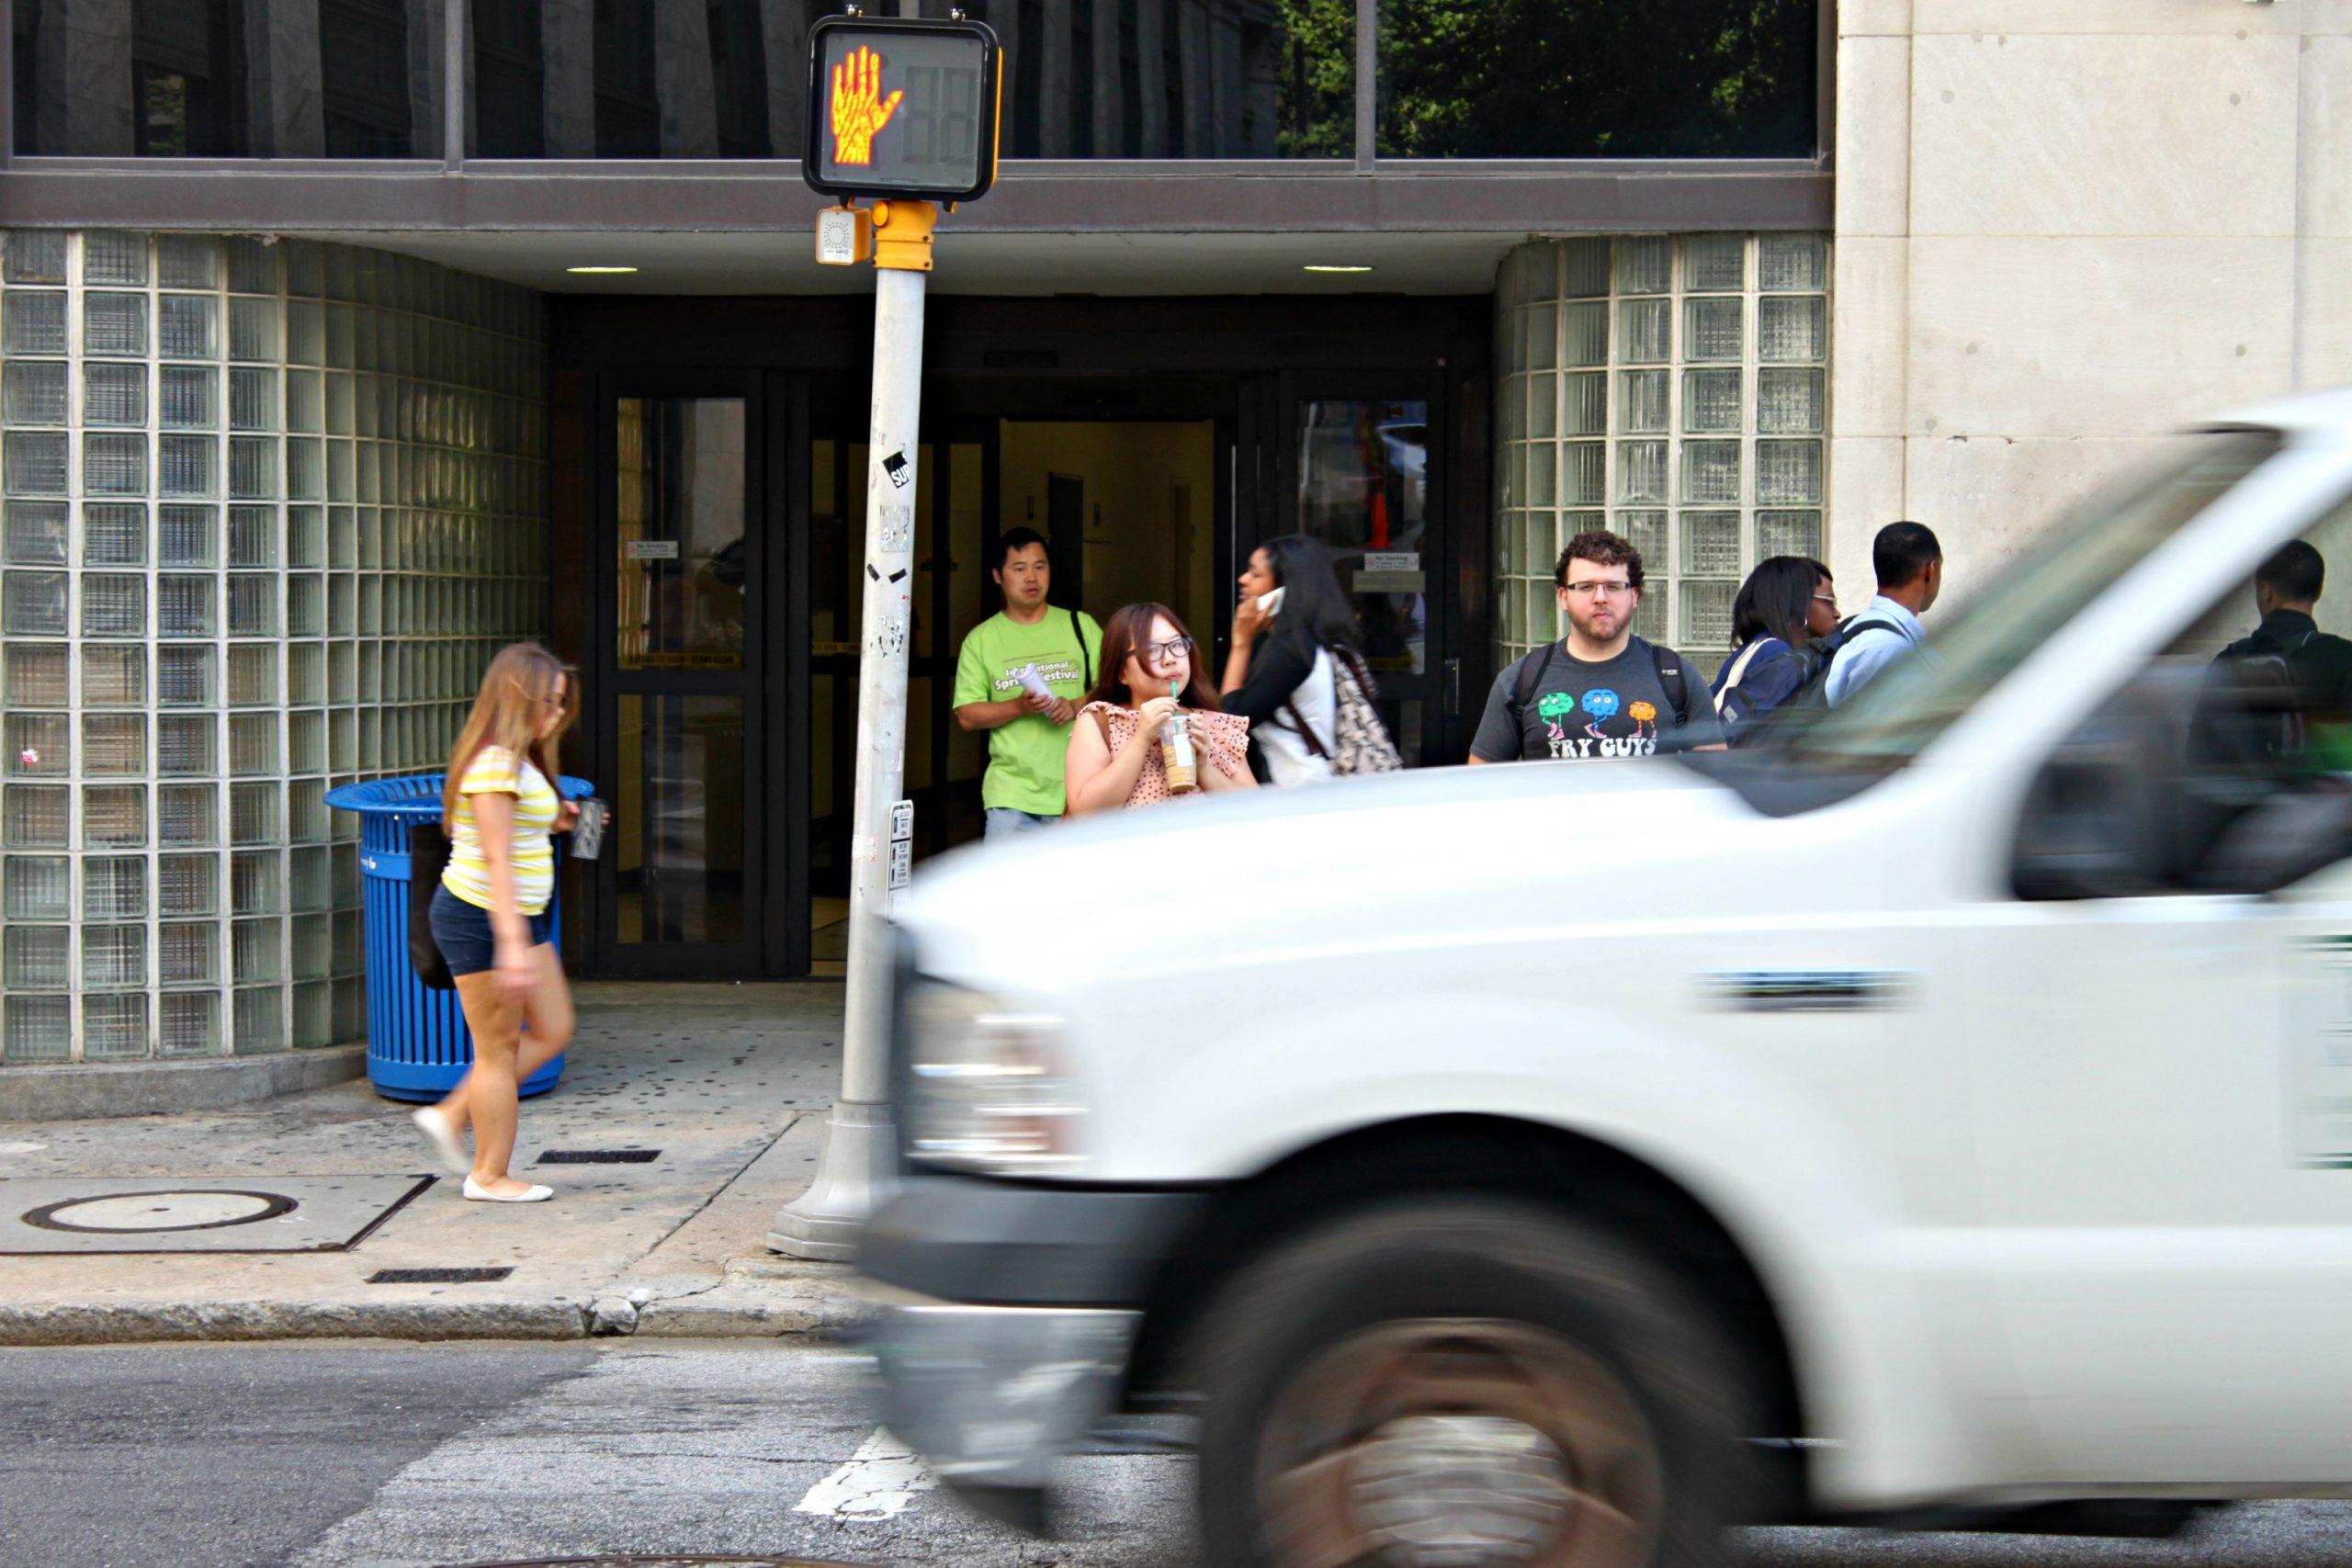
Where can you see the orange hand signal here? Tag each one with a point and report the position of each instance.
(859, 109)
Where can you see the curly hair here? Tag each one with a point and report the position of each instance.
(1602, 549)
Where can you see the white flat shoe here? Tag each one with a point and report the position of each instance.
(435, 1128)
(481, 1194)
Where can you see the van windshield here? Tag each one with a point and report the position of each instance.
(1901, 712)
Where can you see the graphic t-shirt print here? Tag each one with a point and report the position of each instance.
(1598, 723)
(1050, 668)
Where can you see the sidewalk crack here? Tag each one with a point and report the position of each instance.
(697, 1212)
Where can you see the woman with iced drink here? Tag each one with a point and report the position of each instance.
(490, 914)
(1149, 730)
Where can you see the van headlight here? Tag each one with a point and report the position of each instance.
(987, 1088)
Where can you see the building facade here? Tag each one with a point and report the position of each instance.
(342, 340)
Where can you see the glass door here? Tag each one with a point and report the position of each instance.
(677, 728)
(1359, 467)
(944, 765)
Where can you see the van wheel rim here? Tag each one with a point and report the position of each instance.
(1458, 1443)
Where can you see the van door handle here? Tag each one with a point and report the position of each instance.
(1453, 688)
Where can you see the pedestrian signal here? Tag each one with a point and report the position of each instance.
(905, 108)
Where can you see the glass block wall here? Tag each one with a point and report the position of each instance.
(1671, 387)
(269, 508)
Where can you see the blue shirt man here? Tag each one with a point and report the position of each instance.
(1910, 568)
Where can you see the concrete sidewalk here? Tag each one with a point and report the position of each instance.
(730, 1083)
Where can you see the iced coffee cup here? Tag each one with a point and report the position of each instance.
(1176, 757)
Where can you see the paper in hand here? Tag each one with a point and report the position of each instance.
(1033, 682)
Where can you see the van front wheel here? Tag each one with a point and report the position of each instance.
(1453, 1384)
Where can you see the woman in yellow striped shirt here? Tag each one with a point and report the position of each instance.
(498, 802)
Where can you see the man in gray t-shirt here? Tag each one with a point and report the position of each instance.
(1600, 692)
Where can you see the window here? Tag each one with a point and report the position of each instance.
(1672, 388)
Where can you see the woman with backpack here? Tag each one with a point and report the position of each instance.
(1786, 602)
(1296, 672)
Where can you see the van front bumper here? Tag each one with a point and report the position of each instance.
(991, 1396)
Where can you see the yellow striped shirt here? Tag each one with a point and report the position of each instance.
(497, 771)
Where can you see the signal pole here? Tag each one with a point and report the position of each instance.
(858, 1171)
(870, 84)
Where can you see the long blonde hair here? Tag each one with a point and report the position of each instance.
(516, 689)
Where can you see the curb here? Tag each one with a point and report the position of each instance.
(732, 1317)
(83, 1091)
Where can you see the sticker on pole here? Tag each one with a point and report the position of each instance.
(902, 863)
(902, 107)
(902, 821)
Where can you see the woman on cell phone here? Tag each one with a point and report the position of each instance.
(1291, 627)
(1116, 754)
(498, 802)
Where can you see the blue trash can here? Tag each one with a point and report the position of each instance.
(417, 1043)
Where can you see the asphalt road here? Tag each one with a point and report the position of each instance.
(366, 1456)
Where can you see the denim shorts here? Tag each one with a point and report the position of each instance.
(461, 931)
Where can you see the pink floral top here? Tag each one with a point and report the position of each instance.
(1227, 748)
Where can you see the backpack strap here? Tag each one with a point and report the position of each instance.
(1315, 746)
(1085, 657)
(1736, 673)
(1531, 676)
(1306, 730)
(1670, 676)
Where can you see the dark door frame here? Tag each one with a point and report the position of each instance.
(606, 682)
(1443, 650)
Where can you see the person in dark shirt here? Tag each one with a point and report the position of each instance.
(2266, 694)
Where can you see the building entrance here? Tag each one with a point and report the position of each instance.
(720, 473)
(1130, 512)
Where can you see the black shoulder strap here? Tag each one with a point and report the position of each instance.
(1531, 676)
(1085, 657)
(1669, 675)
(1853, 629)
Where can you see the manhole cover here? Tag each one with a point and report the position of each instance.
(196, 1214)
(191, 1210)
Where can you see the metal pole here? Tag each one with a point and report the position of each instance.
(858, 1171)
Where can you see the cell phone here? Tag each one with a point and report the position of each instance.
(588, 833)
(1268, 603)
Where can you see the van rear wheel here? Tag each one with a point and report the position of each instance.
(1458, 1383)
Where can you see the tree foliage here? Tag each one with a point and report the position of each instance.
(1559, 78)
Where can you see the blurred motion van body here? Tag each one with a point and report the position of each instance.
(1946, 1107)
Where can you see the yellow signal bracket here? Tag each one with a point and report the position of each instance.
(902, 234)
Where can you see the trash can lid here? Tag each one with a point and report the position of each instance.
(419, 795)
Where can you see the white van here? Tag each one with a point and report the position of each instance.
(1552, 1163)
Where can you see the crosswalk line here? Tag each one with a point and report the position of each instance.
(877, 1482)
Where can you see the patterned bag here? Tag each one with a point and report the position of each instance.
(1360, 742)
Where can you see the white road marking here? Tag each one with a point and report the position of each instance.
(878, 1482)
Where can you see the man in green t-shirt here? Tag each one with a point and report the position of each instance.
(1028, 729)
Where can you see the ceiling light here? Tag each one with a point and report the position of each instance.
(1319, 266)
(599, 271)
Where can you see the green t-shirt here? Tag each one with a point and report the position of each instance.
(1026, 756)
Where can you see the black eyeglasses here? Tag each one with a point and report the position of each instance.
(1162, 652)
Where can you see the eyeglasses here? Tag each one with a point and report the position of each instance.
(1828, 599)
(1600, 590)
(1162, 652)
